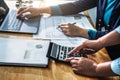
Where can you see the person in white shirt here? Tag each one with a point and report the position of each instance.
(88, 67)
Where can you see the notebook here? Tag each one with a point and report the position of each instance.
(10, 23)
(22, 52)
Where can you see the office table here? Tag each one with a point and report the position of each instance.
(55, 70)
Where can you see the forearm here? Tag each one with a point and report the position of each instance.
(111, 38)
(45, 10)
(77, 6)
(104, 69)
(69, 8)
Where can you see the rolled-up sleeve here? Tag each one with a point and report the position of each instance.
(115, 66)
(118, 29)
(92, 34)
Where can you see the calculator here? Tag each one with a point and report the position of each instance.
(59, 52)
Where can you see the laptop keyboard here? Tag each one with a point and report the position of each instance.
(14, 23)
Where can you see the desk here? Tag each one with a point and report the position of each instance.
(55, 71)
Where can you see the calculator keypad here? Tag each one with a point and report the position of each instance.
(63, 52)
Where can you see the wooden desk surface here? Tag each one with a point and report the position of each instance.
(55, 71)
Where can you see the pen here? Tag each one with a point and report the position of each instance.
(58, 28)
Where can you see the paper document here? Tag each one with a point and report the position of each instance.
(48, 26)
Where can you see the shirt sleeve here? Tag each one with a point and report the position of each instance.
(55, 10)
(118, 29)
(73, 7)
(115, 66)
(92, 34)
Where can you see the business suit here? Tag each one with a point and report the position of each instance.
(81, 5)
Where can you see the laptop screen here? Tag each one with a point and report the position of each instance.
(3, 10)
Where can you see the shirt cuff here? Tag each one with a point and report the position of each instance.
(55, 10)
(92, 34)
(118, 29)
(115, 66)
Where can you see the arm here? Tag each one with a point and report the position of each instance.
(63, 9)
(80, 65)
(76, 7)
(111, 38)
(33, 11)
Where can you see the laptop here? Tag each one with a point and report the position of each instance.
(9, 22)
(22, 52)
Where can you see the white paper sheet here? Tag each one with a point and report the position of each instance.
(48, 26)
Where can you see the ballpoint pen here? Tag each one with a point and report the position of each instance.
(58, 28)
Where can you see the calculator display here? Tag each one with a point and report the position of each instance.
(54, 50)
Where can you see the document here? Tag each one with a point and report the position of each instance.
(49, 29)
(49, 26)
(21, 52)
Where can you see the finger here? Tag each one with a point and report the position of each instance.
(72, 23)
(78, 58)
(74, 65)
(68, 59)
(63, 27)
(21, 9)
(62, 24)
(27, 15)
(64, 30)
(74, 61)
(21, 12)
(76, 49)
(75, 70)
(87, 51)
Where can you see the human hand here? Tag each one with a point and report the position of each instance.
(87, 47)
(33, 12)
(83, 66)
(70, 29)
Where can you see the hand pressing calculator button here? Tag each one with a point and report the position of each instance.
(64, 53)
(59, 52)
